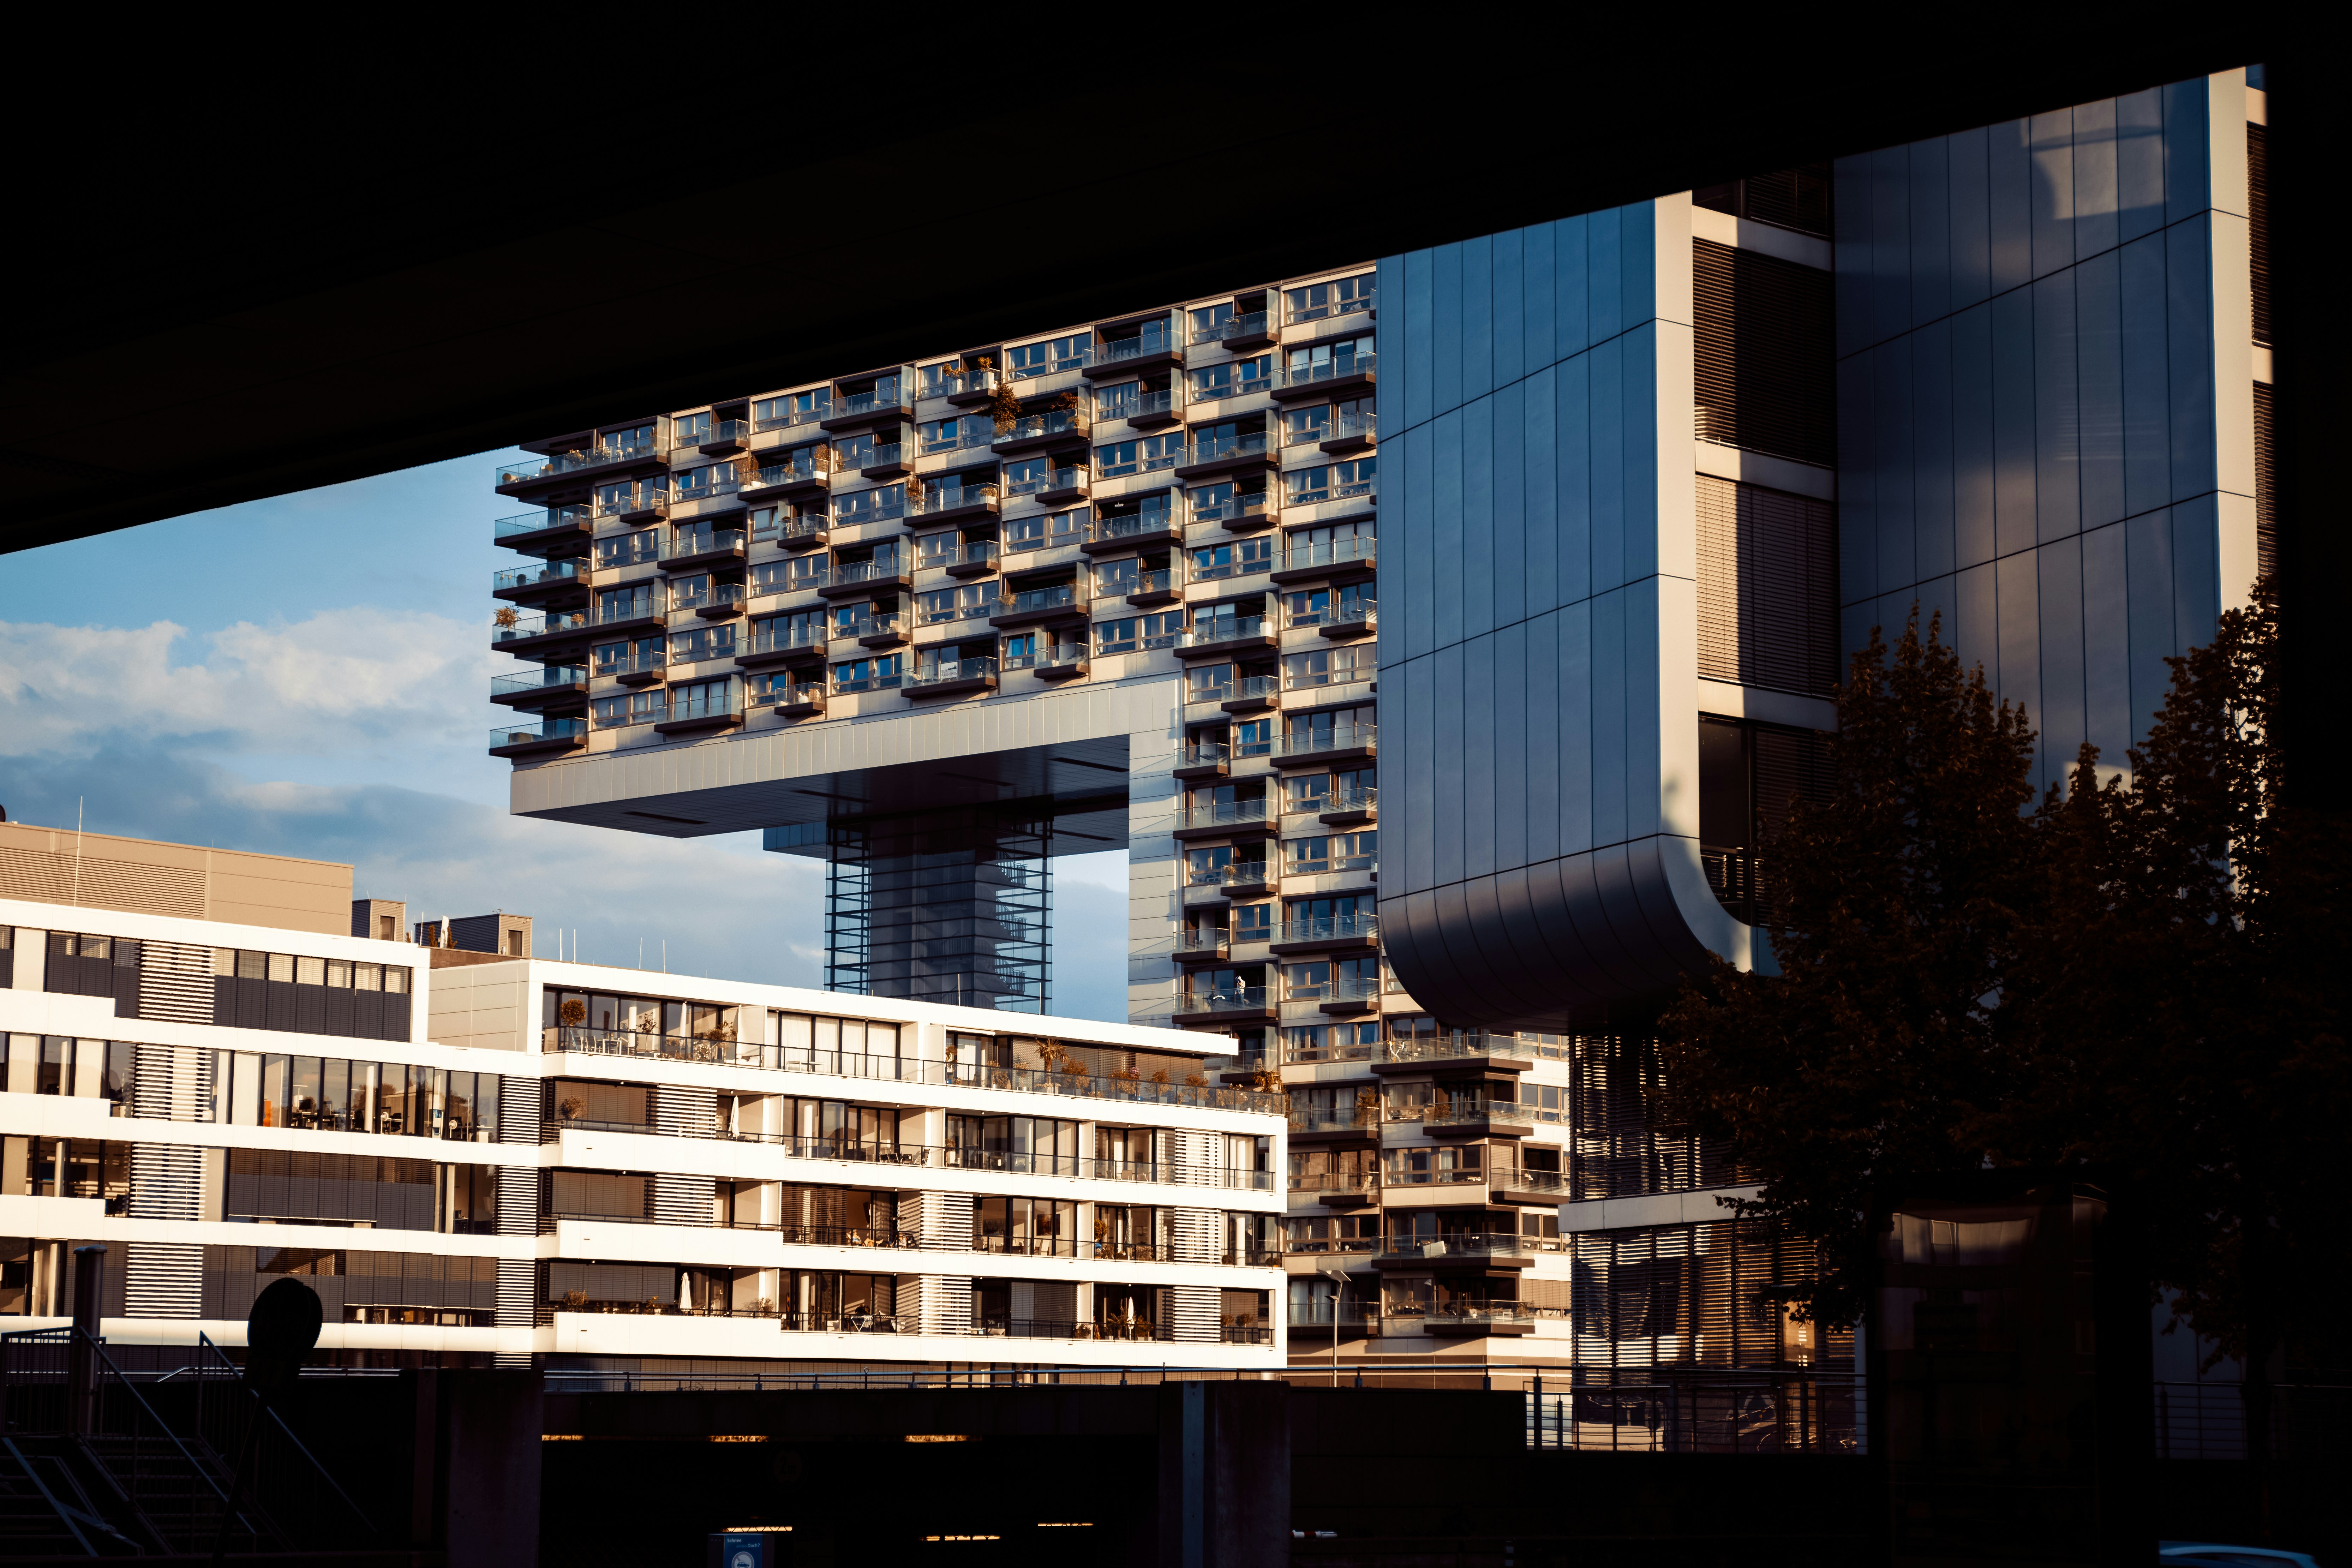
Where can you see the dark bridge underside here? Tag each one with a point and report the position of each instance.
(226, 290)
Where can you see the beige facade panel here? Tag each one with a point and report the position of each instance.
(144, 876)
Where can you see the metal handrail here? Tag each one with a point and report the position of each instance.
(204, 1343)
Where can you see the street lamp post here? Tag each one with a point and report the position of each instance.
(1339, 1300)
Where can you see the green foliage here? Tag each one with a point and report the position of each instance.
(2136, 976)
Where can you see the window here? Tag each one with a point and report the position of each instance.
(1116, 579)
(691, 592)
(1345, 296)
(1232, 378)
(954, 435)
(702, 643)
(1056, 354)
(1301, 427)
(1343, 606)
(1328, 667)
(1750, 776)
(1143, 455)
(957, 603)
(1330, 361)
(1767, 587)
(646, 707)
(1239, 558)
(1117, 402)
(1333, 481)
(628, 549)
(690, 429)
(870, 674)
(633, 603)
(870, 506)
(1333, 853)
(633, 495)
(707, 699)
(1765, 372)
(855, 452)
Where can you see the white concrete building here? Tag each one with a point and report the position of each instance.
(580, 1161)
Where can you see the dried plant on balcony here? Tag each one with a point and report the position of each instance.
(576, 1300)
(570, 1107)
(747, 469)
(574, 1012)
(506, 616)
(1004, 408)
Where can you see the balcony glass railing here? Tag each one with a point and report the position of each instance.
(1240, 874)
(1335, 1181)
(1246, 325)
(1335, 369)
(1331, 928)
(1328, 302)
(725, 430)
(631, 663)
(1364, 798)
(1063, 656)
(881, 680)
(1465, 1244)
(884, 396)
(1224, 629)
(952, 669)
(704, 540)
(1226, 999)
(1134, 525)
(1327, 738)
(939, 498)
(897, 1069)
(551, 678)
(1118, 351)
(881, 571)
(1459, 1044)
(1165, 580)
(1202, 943)
(572, 462)
(545, 730)
(1330, 553)
(1346, 612)
(1338, 1119)
(1204, 754)
(1246, 504)
(801, 694)
(791, 417)
(973, 553)
(509, 626)
(885, 456)
(507, 528)
(1249, 443)
(868, 627)
(1065, 596)
(800, 469)
(726, 705)
(1058, 422)
(543, 574)
(869, 506)
(1343, 1051)
(1227, 814)
(1233, 566)
(783, 639)
(1354, 427)
(1456, 1111)
(1348, 988)
(611, 507)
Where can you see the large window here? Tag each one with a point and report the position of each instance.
(1768, 588)
(1341, 296)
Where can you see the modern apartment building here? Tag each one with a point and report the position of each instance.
(1651, 473)
(478, 1159)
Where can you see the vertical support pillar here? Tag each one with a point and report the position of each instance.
(81, 1356)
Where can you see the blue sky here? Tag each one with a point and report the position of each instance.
(307, 675)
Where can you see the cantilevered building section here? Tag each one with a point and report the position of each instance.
(1650, 474)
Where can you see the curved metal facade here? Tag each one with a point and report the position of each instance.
(1539, 660)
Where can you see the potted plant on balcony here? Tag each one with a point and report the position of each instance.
(1004, 407)
(575, 1301)
(569, 1108)
(747, 470)
(506, 616)
(983, 373)
(573, 1014)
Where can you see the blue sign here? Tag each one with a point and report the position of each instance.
(743, 1550)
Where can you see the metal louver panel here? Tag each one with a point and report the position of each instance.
(1195, 1313)
(2258, 226)
(1789, 765)
(1687, 1296)
(163, 1280)
(1765, 381)
(175, 981)
(1767, 587)
(1627, 1135)
(2265, 481)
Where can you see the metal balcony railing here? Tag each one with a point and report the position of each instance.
(1226, 999)
(545, 730)
(1059, 421)
(506, 528)
(508, 626)
(1227, 813)
(951, 669)
(1332, 369)
(1364, 551)
(542, 574)
(551, 677)
(1330, 928)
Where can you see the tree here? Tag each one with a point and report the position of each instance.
(2135, 975)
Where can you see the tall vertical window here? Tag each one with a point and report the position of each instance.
(1767, 587)
(1765, 376)
(1750, 777)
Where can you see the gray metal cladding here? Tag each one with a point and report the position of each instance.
(2045, 398)
(1530, 380)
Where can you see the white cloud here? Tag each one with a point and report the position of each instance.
(351, 679)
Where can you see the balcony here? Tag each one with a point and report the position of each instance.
(809, 474)
(968, 504)
(873, 631)
(1148, 590)
(1203, 760)
(529, 473)
(1338, 1124)
(548, 737)
(524, 585)
(893, 462)
(535, 531)
(1326, 743)
(973, 389)
(866, 579)
(1239, 333)
(1252, 694)
(1241, 879)
(1135, 529)
(514, 632)
(1226, 455)
(1247, 511)
(1235, 565)
(1349, 994)
(883, 405)
(1460, 1248)
(1225, 636)
(804, 530)
(1066, 661)
(1349, 807)
(1339, 558)
(549, 684)
(699, 714)
(1352, 433)
(1234, 1003)
(794, 418)
(1202, 946)
(635, 507)
(1462, 1117)
(768, 648)
(1040, 432)
(637, 669)
(1329, 933)
(1237, 819)
(881, 680)
(950, 677)
(1124, 356)
(977, 558)
(1033, 606)
(704, 546)
(719, 602)
(1349, 377)
(802, 701)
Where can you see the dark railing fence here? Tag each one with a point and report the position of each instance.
(1758, 1413)
(95, 1435)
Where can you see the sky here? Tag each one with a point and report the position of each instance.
(310, 675)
